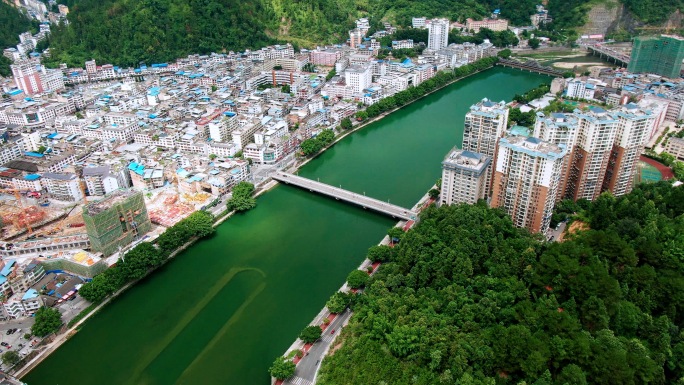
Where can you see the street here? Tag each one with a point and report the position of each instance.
(308, 367)
(555, 233)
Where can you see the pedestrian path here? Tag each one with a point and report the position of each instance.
(299, 381)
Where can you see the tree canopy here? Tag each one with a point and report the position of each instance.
(310, 334)
(242, 199)
(11, 357)
(469, 298)
(357, 279)
(282, 368)
(47, 321)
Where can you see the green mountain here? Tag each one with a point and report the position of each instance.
(126, 32)
(13, 23)
(466, 298)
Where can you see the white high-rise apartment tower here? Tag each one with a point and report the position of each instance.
(438, 34)
(634, 127)
(485, 124)
(463, 177)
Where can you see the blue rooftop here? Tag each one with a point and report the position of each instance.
(32, 177)
(137, 168)
(30, 293)
(8, 268)
(34, 154)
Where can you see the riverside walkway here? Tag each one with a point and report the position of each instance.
(386, 208)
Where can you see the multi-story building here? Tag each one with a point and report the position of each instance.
(358, 77)
(101, 181)
(402, 44)
(675, 146)
(418, 22)
(526, 180)
(661, 55)
(116, 221)
(325, 57)
(634, 127)
(485, 124)
(27, 77)
(463, 177)
(356, 37)
(220, 130)
(493, 24)
(65, 187)
(558, 128)
(596, 132)
(579, 89)
(438, 34)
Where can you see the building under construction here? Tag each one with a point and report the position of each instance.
(116, 221)
(660, 55)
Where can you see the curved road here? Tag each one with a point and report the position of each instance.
(307, 369)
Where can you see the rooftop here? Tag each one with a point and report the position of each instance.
(466, 160)
(110, 200)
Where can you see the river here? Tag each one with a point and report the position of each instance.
(221, 311)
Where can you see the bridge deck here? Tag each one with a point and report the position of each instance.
(347, 196)
(609, 52)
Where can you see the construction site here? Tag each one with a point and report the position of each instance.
(169, 207)
(116, 221)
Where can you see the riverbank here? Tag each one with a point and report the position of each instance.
(326, 315)
(294, 249)
(344, 134)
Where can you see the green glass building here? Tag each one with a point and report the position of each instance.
(661, 55)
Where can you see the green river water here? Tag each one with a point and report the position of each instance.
(221, 311)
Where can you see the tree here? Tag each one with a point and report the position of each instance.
(310, 334)
(504, 53)
(138, 261)
(346, 124)
(330, 74)
(11, 358)
(396, 233)
(47, 321)
(338, 302)
(282, 368)
(212, 156)
(357, 279)
(361, 115)
(285, 88)
(42, 149)
(310, 146)
(534, 43)
(433, 193)
(242, 199)
(380, 253)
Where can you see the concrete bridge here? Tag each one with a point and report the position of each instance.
(386, 208)
(610, 54)
(531, 66)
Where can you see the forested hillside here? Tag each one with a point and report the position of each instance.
(468, 299)
(12, 23)
(126, 32)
